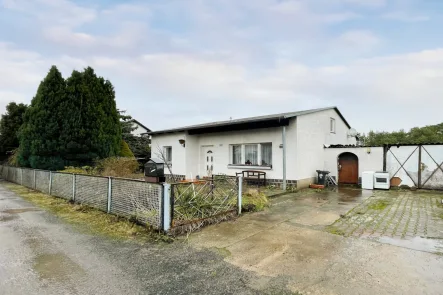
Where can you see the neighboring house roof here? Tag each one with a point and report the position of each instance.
(140, 124)
(259, 119)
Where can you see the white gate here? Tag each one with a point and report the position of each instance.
(415, 165)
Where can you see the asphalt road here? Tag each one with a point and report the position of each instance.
(40, 254)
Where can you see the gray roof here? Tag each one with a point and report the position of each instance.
(137, 122)
(250, 120)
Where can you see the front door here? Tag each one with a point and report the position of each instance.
(348, 169)
(208, 160)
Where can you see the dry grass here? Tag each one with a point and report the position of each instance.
(89, 219)
(117, 166)
(253, 200)
(114, 167)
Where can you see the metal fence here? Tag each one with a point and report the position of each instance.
(415, 165)
(200, 200)
(124, 197)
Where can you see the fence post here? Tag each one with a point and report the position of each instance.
(419, 166)
(166, 206)
(21, 176)
(240, 193)
(73, 187)
(109, 194)
(50, 182)
(35, 180)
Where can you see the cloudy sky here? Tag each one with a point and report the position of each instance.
(183, 62)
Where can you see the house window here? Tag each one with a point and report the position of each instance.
(266, 154)
(332, 125)
(168, 154)
(236, 154)
(257, 154)
(251, 154)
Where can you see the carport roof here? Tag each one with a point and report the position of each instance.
(251, 120)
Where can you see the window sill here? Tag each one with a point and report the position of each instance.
(249, 167)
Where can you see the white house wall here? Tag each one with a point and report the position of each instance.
(139, 130)
(313, 132)
(372, 161)
(192, 156)
(221, 143)
(178, 151)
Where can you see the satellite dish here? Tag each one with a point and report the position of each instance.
(352, 132)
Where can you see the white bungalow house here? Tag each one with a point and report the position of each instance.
(289, 147)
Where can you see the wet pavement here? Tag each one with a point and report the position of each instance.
(411, 219)
(294, 239)
(285, 249)
(41, 254)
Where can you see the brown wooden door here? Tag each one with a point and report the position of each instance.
(348, 169)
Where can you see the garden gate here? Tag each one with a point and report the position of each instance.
(419, 165)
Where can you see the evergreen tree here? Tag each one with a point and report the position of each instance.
(417, 135)
(125, 151)
(92, 129)
(39, 135)
(10, 124)
(139, 145)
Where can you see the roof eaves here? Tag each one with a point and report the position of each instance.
(135, 121)
(248, 120)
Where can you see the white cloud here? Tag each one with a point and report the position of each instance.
(405, 17)
(368, 3)
(205, 60)
(66, 37)
(358, 40)
(338, 17)
(55, 12)
(288, 7)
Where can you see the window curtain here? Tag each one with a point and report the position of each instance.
(251, 154)
(266, 154)
(236, 154)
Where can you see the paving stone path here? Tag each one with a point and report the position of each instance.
(396, 214)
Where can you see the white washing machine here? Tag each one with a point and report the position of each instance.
(367, 180)
(382, 180)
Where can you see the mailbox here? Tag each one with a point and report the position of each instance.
(155, 170)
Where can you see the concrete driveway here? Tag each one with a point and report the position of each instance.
(293, 240)
(40, 254)
(283, 250)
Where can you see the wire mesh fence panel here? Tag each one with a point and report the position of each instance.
(19, 175)
(8, 173)
(203, 199)
(62, 185)
(28, 178)
(92, 191)
(15, 175)
(12, 174)
(42, 181)
(139, 199)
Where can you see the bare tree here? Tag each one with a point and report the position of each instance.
(161, 155)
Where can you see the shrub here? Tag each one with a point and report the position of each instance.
(117, 166)
(13, 158)
(125, 151)
(88, 170)
(253, 200)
